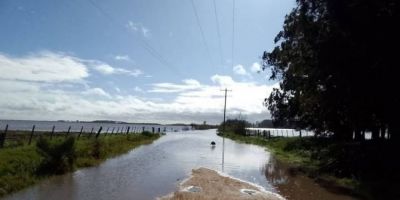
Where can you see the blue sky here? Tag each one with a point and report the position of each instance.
(135, 60)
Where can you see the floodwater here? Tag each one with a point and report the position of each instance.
(63, 126)
(155, 170)
(293, 185)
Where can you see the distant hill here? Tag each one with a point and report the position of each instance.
(120, 122)
(108, 121)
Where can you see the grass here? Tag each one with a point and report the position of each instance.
(19, 166)
(311, 156)
(276, 146)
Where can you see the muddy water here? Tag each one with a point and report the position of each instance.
(155, 170)
(296, 186)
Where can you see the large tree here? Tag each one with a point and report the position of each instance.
(336, 62)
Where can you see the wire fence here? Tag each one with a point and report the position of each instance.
(14, 138)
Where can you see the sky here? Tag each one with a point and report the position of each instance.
(162, 61)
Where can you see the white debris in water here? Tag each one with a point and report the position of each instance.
(192, 189)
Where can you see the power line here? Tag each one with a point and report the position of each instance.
(218, 31)
(201, 32)
(144, 44)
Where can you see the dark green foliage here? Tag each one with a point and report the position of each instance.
(58, 157)
(337, 63)
(236, 126)
(203, 126)
(97, 146)
(148, 133)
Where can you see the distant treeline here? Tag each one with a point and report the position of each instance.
(203, 126)
(269, 123)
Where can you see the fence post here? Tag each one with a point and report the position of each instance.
(98, 132)
(117, 131)
(107, 131)
(91, 132)
(287, 133)
(52, 132)
(143, 129)
(3, 137)
(127, 131)
(152, 129)
(80, 132)
(69, 129)
(112, 131)
(30, 138)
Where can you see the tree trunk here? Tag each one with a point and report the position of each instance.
(383, 132)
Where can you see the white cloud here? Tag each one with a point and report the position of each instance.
(146, 32)
(239, 69)
(43, 67)
(122, 57)
(138, 89)
(222, 80)
(189, 84)
(256, 67)
(96, 92)
(132, 26)
(138, 27)
(40, 92)
(108, 70)
(105, 69)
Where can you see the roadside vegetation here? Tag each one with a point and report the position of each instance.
(337, 73)
(361, 169)
(26, 165)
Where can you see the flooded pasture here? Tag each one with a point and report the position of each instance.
(155, 170)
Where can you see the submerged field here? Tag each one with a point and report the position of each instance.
(25, 165)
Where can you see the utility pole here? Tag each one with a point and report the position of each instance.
(223, 130)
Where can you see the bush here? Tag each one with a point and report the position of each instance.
(236, 126)
(58, 157)
(147, 133)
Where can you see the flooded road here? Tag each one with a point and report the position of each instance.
(155, 170)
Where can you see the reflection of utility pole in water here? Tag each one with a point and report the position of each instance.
(223, 131)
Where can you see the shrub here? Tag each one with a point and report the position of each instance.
(147, 133)
(58, 157)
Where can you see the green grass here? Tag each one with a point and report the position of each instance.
(276, 146)
(19, 166)
(306, 155)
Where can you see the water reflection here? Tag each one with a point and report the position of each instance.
(155, 170)
(293, 185)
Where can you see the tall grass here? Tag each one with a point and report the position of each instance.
(23, 166)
